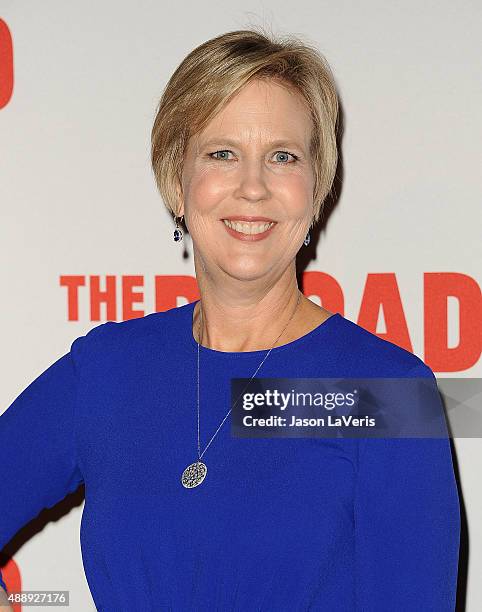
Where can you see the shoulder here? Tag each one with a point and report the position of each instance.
(116, 337)
(374, 356)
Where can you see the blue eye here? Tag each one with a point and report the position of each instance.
(285, 153)
(220, 158)
(226, 152)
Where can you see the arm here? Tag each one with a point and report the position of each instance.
(407, 523)
(37, 442)
(4, 603)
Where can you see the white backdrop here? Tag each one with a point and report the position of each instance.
(78, 198)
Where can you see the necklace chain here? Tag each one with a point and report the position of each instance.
(249, 382)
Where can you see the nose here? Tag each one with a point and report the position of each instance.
(252, 183)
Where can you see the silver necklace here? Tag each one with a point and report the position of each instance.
(196, 472)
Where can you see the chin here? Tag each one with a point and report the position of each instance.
(250, 272)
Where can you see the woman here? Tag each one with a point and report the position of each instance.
(180, 515)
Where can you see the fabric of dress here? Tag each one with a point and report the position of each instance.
(279, 524)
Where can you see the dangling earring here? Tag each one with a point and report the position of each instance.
(306, 241)
(178, 231)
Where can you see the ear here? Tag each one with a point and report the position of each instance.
(180, 200)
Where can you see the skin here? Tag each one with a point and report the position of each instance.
(248, 290)
(4, 603)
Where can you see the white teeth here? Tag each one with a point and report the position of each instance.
(248, 227)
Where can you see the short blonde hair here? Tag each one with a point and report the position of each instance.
(211, 75)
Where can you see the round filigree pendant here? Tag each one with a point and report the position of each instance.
(194, 474)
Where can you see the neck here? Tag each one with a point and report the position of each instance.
(252, 327)
(248, 318)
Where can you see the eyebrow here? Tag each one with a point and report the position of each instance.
(233, 143)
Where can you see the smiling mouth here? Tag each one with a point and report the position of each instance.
(249, 227)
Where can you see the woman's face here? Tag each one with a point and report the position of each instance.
(252, 160)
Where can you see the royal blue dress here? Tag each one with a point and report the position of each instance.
(279, 524)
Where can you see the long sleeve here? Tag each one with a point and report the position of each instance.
(37, 441)
(407, 523)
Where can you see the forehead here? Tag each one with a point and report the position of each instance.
(261, 110)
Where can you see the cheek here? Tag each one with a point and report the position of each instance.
(296, 191)
(207, 188)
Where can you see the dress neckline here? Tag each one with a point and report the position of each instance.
(323, 327)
